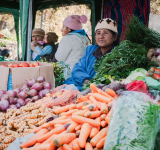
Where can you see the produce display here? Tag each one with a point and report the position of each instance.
(154, 73)
(32, 91)
(24, 64)
(82, 125)
(20, 122)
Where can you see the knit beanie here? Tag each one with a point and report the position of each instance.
(38, 31)
(52, 37)
(74, 22)
(107, 23)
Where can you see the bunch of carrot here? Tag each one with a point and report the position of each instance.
(82, 125)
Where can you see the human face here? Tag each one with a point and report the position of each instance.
(45, 38)
(65, 30)
(37, 38)
(104, 38)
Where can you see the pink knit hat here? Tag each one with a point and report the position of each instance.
(74, 21)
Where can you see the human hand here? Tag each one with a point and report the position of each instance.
(35, 43)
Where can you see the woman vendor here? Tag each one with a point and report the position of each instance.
(74, 42)
(106, 39)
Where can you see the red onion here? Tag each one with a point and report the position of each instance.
(46, 85)
(3, 92)
(40, 79)
(12, 106)
(43, 93)
(21, 101)
(17, 91)
(35, 98)
(32, 93)
(12, 100)
(157, 53)
(18, 105)
(26, 89)
(28, 100)
(30, 82)
(37, 86)
(22, 95)
(24, 86)
(4, 104)
(11, 93)
(5, 97)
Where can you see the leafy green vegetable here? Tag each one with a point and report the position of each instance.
(139, 33)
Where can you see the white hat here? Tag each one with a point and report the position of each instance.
(107, 23)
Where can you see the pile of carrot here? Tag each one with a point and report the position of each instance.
(79, 126)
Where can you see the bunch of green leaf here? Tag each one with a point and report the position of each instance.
(138, 33)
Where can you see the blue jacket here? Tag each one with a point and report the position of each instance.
(84, 69)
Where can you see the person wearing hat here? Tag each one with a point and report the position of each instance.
(49, 48)
(74, 42)
(106, 38)
(37, 35)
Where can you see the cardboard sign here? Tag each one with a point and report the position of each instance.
(19, 75)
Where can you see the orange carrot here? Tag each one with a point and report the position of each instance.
(54, 131)
(91, 107)
(107, 119)
(73, 106)
(101, 98)
(57, 125)
(64, 139)
(94, 101)
(104, 94)
(81, 120)
(33, 140)
(61, 109)
(52, 146)
(103, 116)
(51, 128)
(104, 108)
(78, 127)
(35, 130)
(45, 125)
(95, 130)
(76, 146)
(49, 139)
(102, 133)
(60, 148)
(111, 92)
(63, 121)
(88, 146)
(100, 144)
(43, 146)
(103, 123)
(70, 112)
(85, 131)
(57, 119)
(72, 127)
(37, 144)
(72, 142)
(81, 98)
(80, 105)
(94, 88)
(92, 114)
(66, 147)
(80, 112)
(78, 133)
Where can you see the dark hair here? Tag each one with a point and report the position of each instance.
(117, 41)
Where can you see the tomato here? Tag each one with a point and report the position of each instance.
(3, 65)
(24, 65)
(16, 65)
(36, 64)
(31, 65)
(11, 66)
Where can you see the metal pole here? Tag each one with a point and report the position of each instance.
(41, 19)
(29, 31)
(102, 9)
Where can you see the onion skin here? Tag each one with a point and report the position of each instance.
(22, 95)
(37, 86)
(32, 92)
(12, 107)
(12, 100)
(17, 91)
(28, 100)
(47, 85)
(3, 92)
(40, 79)
(21, 101)
(18, 105)
(26, 89)
(30, 82)
(35, 98)
(4, 105)
(24, 86)
(5, 97)
(11, 93)
(43, 93)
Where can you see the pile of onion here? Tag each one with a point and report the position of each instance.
(33, 90)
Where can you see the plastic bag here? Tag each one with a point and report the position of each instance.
(134, 123)
(9, 85)
(152, 83)
(139, 86)
(65, 97)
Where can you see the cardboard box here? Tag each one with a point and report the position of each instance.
(19, 75)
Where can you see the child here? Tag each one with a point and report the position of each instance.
(49, 48)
